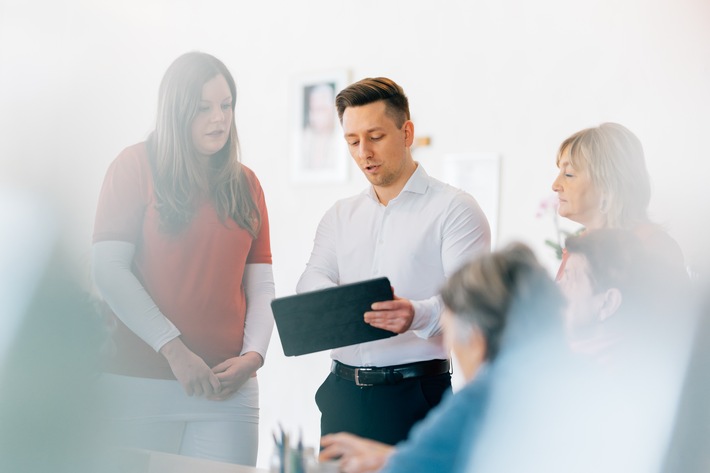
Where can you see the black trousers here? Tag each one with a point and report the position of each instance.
(384, 412)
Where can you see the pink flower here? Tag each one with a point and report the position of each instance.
(550, 202)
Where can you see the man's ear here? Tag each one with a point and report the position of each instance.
(610, 304)
(478, 345)
(408, 133)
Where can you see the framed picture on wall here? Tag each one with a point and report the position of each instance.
(478, 174)
(319, 152)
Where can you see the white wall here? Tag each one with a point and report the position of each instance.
(79, 79)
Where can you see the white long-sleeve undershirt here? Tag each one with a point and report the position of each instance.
(129, 300)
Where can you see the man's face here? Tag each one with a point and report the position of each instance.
(583, 302)
(378, 146)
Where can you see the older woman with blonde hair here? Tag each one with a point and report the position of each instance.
(603, 183)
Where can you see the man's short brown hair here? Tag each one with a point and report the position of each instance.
(372, 90)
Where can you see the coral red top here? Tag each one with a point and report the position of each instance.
(194, 277)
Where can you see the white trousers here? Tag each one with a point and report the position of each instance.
(156, 414)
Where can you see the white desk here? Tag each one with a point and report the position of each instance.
(148, 461)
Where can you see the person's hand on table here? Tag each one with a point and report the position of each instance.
(356, 454)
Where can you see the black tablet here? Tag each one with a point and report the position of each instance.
(330, 318)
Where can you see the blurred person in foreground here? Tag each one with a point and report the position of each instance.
(627, 320)
(689, 448)
(500, 307)
(603, 183)
(620, 295)
(632, 314)
(50, 336)
(560, 412)
(181, 255)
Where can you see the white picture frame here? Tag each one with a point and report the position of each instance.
(477, 173)
(319, 151)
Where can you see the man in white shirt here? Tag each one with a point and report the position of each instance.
(416, 231)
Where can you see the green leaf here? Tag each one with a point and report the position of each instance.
(556, 247)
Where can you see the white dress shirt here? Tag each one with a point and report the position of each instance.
(418, 240)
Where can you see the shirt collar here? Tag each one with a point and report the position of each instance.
(418, 183)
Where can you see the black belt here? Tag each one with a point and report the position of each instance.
(371, 376)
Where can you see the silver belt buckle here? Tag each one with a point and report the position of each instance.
(357, 377)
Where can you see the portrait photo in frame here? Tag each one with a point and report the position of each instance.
(319, 153)
(477, 173)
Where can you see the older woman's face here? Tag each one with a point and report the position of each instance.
(580, 200)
